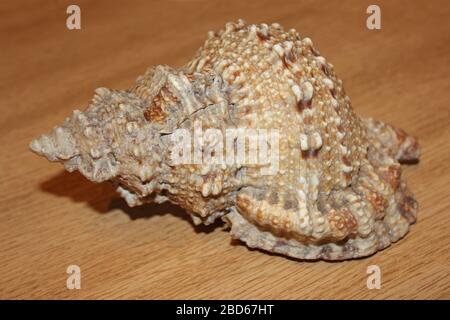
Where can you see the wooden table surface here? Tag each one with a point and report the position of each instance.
(50, 219)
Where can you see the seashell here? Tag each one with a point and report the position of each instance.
(318, 183)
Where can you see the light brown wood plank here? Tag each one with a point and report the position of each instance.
(50, 219)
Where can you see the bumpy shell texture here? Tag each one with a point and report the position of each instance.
(337, 191)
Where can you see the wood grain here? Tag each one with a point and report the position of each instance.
(51, 219)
